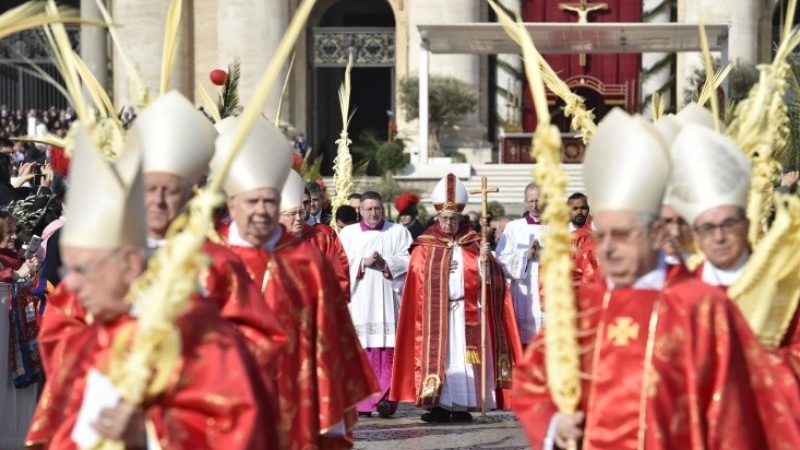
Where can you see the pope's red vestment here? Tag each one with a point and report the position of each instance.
(227, 286)
(671, 369)
(215, 399)
(324, 238)
(322, 374)
(422, 334)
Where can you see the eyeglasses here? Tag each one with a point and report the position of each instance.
(299, 213)
(85, 269)
(728, 226)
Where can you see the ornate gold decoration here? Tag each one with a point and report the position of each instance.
(623, 330)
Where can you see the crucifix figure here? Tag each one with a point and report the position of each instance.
(583, 9)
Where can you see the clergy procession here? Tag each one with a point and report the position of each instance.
(196, 291)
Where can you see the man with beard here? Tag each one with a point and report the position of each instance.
(585, 261)
(437, 362)
(518, 252)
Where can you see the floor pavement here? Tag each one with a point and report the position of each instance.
(405, 431)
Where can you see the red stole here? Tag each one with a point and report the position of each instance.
(422, 333)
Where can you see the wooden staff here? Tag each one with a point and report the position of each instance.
(484, 191)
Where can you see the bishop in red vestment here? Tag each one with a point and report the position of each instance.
(169, 173)
(294, 211)
(322, 373)
(213, 395)
(665, 365)
(719, 173)
(437, 360)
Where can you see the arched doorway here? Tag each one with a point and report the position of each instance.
(365, 28)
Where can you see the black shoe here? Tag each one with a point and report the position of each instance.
(436, 415)
(365, 414)
(384, 409)
(461, 416)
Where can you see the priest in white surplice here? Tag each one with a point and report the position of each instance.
(377, 251)
(518, 253)
(437, 364)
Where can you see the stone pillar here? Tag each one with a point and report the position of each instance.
(656, 80)
(510, 76)
(470, 132)
(93, 43)
(742, 15)
(251, 30)
(141, 30)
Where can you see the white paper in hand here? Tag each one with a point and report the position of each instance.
(100, 393)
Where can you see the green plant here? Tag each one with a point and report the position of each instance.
(458, 157)
(449, 100)
(378, 156)
(390, 157)
(741, 79)
(496, 209)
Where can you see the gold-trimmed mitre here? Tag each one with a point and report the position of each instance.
(264, 160)
(709, 170)
(449, 194)
(106, 199)
(174, 138)
(627, 165)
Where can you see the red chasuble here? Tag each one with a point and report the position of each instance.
(227, 286)
(216, 399)
(677, 369)
(324, 238)
(421, 346)
(322, 373)
(784, 359)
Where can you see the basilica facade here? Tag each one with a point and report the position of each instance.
(384, 39)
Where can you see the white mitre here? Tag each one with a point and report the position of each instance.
(174, 138)
(670, 125)
(264, 160)
(627, 165)
(449, 194)
(106, 200)
(708, 170)
(292, 192)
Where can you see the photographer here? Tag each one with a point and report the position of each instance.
(40, 178)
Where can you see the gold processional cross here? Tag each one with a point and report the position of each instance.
(583, 9)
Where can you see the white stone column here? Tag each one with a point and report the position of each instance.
(93, 43)
(510, 74)
(743, 42)
(251, 30)
(141, 30)
(465, 67)
(655, 80)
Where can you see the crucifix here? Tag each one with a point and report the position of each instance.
(583, 9)
(484, 192)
